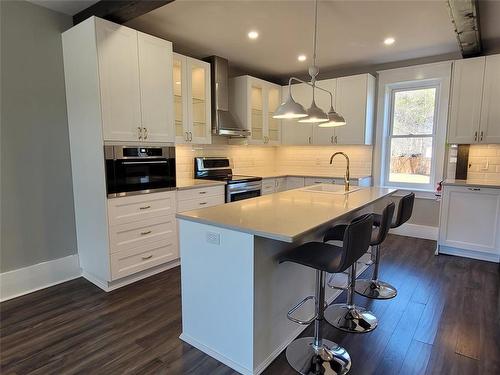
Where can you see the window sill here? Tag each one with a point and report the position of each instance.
(419, 193)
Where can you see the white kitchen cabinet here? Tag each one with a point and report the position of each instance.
(294, 132)
(489, 128)
(308, 181)
(253, 101)
(469, 222)
(191, 199)
(466, 100)
(273, 185)
(155, 77)
(355, 100)
(322, 135)
(294, 182)
(192, 101)
(135, 80)
(118, 69)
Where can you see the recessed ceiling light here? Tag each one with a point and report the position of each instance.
(253, 34)
(389, 41)
(302, 58)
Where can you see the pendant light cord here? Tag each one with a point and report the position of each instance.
(315, 30)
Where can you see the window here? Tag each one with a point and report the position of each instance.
(411, 144)
(412, 115)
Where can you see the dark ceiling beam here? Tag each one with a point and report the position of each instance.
(465, 18)
(119, 11)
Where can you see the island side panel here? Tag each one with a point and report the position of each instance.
(217, 292)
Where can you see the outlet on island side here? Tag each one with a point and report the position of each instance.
(213, 238)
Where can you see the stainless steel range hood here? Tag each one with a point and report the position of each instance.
(223, 122)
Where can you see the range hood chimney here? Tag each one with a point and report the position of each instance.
(223, 122)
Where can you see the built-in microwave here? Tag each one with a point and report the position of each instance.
(132, 170)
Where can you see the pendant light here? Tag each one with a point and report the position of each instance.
(290, 109)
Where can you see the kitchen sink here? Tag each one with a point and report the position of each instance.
(330, 188)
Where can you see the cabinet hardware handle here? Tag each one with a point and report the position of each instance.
(147, 257)
(475, 136)
(139, 132)
(186, 136)
(474, 189)
(331, 139)
(481, 139)
(144, 207)
(146, 232)
(202, 192)
(145, 133)
(190, 137)
(335, 139)
(202, 203)
(309, 139)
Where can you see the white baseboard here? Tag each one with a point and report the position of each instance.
(417, 231)
(25, 280)
(473, 254)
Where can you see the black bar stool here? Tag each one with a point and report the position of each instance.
(347, 316)
(315, 355)
(375, 288)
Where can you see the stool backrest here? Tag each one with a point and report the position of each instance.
(356, 240)
(385, 224)
(405, 209)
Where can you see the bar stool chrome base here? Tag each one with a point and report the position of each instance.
(375, 289)
(351, 319)
(328, 359)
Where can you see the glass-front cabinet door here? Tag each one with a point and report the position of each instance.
(273, 125)
(180, 108)
(256, 113)
(199, 101)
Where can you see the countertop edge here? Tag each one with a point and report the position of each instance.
(472, 183)
(278, 175)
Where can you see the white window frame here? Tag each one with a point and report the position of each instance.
(407, 86)
(435, 74)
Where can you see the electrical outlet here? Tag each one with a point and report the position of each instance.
(213, 238)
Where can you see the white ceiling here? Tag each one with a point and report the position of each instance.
(351, 33)
(69, 7)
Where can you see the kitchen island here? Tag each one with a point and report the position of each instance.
(235, 294)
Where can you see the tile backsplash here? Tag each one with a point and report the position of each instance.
(307, 160)
(484, 162)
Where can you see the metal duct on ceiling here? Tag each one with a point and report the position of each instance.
(465, 18)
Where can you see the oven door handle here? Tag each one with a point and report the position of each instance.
(144, 162)
(243, 190)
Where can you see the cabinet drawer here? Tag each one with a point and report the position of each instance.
(312, 180)
(193, 204)
(133, 235)
(268, 186)
(131, 261)
(201, 192)
(140, 207)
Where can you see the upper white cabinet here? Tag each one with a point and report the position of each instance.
(466, 99)
(192, 101)
(295, 132)
(490, 110)
(253, 102)
(474, 117)
(135, 80)
(354, 98)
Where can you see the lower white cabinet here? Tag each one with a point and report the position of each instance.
(193, 199)
(142, 232)
(314, 180)
(273, 185)
(469, 222)
(294, 182)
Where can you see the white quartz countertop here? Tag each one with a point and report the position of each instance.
(191, 183)
(288, 215)
(265, 175)
(476, 182)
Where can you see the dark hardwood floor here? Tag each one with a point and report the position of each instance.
(445, 320)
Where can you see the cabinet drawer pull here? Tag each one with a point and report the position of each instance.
(146, 232)
(139, 132)
(474, 189)
(147, 257)
(481, 138)
(144, 207)
(475, 136)
(202, 192)
(203, 203)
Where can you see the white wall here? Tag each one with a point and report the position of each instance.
(37, 214)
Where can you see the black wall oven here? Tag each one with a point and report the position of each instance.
(134, 170)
